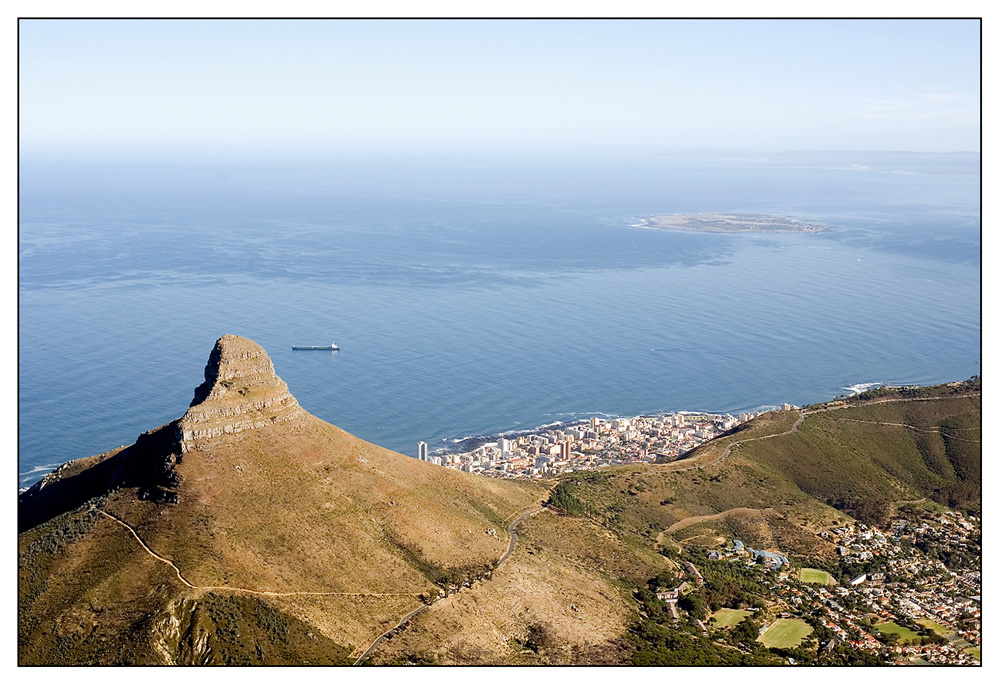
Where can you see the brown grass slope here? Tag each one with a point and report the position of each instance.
(272, 519)
(250, 532)
(559, 599)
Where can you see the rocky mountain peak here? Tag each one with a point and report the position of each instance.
(241, 392)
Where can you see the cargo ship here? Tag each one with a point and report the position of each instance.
(328, 348)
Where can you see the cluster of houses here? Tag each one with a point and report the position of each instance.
(670, 597)
(934, 654)
(923, 587)
(909, 585)
(590, 444)
(902, 583)
(859, 543)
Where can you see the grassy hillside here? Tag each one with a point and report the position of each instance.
(563, 597)
(296, 516)
(780, 481)
(322, 512)
(250, 532)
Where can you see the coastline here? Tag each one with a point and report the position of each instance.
(469, 444)
(588, 444)
(575, 444)
(453, 445)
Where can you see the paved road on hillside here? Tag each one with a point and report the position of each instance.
(513, 533)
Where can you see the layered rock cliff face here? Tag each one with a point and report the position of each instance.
(241, 392)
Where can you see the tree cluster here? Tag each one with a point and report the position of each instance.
(562, 497)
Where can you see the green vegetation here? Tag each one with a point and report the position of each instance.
(974, 384)
(785, 632)
(727, 618)
(813, 575)
(39, 546)
(904, 629)
(661, 645)
(246, 631)
(936, 627)
(932, 446)
(562, 497)
(729, 585)
(891, 628)
(931, 631)
(856, 461)
(658, 641)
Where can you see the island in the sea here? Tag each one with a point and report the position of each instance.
(729, 223)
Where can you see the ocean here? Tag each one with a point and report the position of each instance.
(477, 295)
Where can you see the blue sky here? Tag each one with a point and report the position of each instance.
(169, 85)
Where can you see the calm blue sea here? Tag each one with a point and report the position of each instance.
(472, 296)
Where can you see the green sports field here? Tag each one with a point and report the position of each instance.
(813, 575)
(727, 618)
(785, 632)
(956, 640)
(936, 627)
(890, 627)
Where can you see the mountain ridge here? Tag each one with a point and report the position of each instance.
(248, 491)
(248, 531)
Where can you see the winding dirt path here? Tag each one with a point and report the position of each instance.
(683, 523)
(916, 428)
(692, 520)
(808, 412)
(271, 593)
(737, 443)
(403, 621)
(230, 588)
